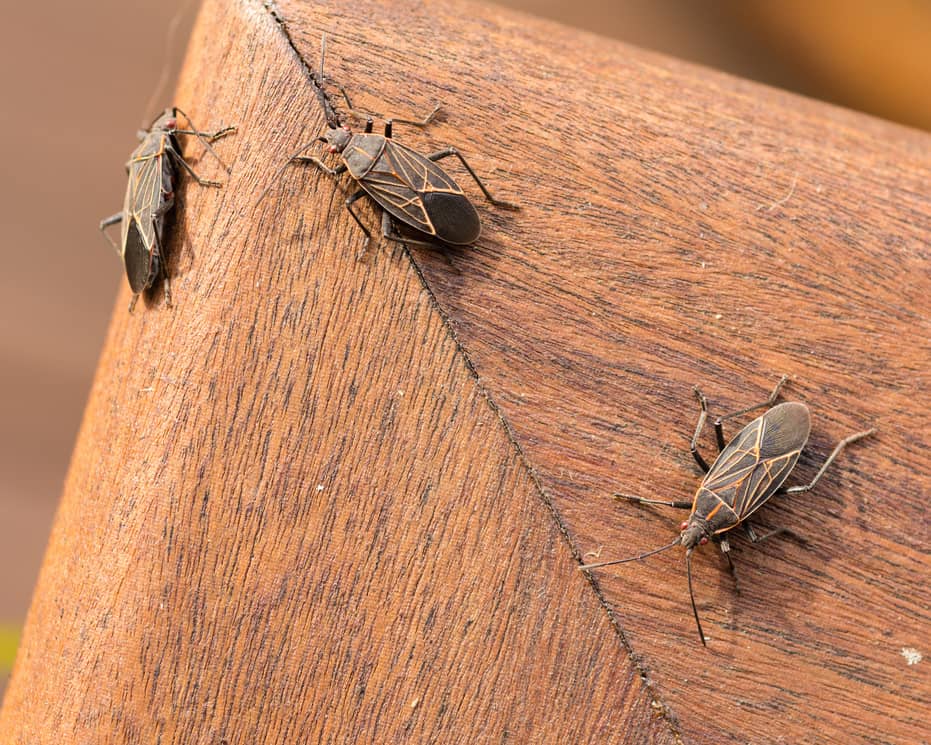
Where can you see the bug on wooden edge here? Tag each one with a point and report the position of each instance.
(749, 470)
(152, 170)
(409, 187)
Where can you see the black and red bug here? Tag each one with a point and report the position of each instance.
(410, 188)
(152, 170)
(749, 470)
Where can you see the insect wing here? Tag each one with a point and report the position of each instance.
(419, 193)
(759, 459)
(142, 209)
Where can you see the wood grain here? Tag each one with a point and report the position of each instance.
(330, 500)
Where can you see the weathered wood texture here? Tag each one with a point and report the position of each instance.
(326, 500)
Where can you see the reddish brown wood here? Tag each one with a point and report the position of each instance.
(329, 501)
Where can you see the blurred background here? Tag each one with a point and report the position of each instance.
(77, 82)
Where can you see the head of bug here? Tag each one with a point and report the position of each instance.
(693, 532)
(337, 138)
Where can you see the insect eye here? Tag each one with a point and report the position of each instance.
(683, 525)
(703, 541)
(171, 123)
(332, 148)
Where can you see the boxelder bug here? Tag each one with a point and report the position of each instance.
(409, 187)
(747, 472)
(152, 172)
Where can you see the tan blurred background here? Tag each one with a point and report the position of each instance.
(77, 79)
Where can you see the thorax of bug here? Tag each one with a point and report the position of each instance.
(362, 153)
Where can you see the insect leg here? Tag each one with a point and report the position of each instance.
(719, 430)
(341, 168)
(179, 159)
(679, 505)
(754, 538)
(840, 446)
(439, 155)
(368, 235)
(162, 263)
(205, 138)
(725, 547)
(209, 136)
(390, 233)
(106, 223)
(421, 122)
(703, 414)
(366, 115)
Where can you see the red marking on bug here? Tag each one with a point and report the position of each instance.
(703, 541)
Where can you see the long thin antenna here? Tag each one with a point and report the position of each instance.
(632, 558)
(688, 571)
(328, 112)
(171, 36)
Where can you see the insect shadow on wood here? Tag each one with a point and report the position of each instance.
(410, 188)
(749, 470)
(150, 195)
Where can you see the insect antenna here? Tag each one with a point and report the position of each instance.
(204, 141)
(319, 83)
(632, 558)
(688, 571)
(284, 165)
(170, 37)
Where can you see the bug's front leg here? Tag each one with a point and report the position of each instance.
(341, 168)
(106, 223)
(440, 154)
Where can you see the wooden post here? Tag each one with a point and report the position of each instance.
(324, 499)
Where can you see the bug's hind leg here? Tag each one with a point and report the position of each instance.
(162, 266)
(837, 450)
(719, 429)
(440, 154)
(390, 233)
(678, 504)
(106, 223)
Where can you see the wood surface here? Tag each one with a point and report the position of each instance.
(330, 500)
